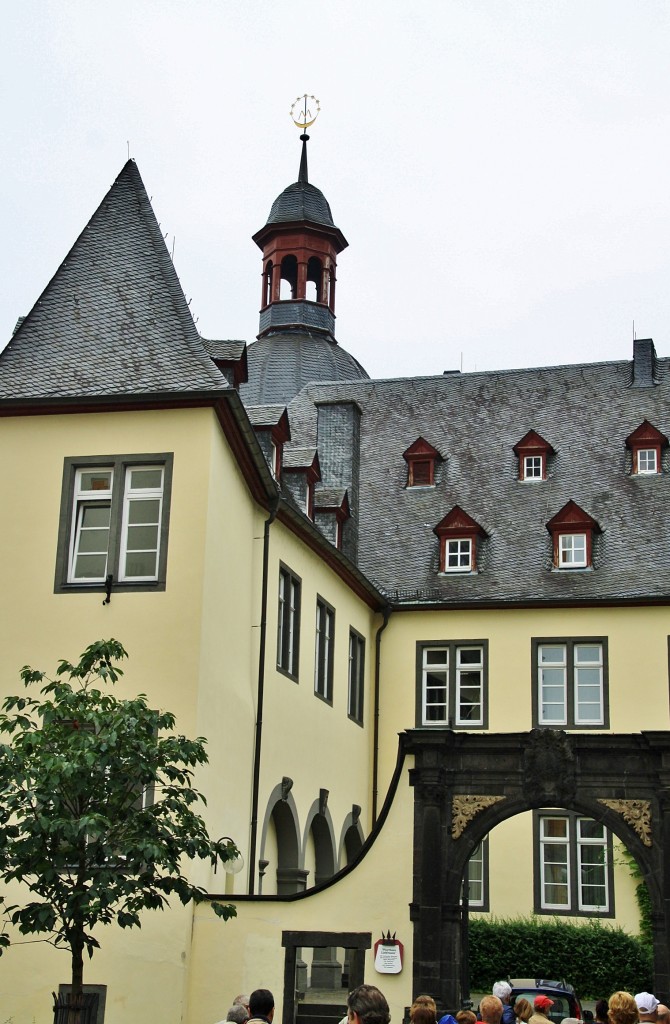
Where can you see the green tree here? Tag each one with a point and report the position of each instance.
(97, 808)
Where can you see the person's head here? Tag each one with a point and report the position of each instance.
(262, 1003)
(543, 1004)
(663, 1014)
(238, 1014)
(622, 1009)
(601, 1011)
(466, 1017)
(420, 1013)
(587, 1016)
(425, 1001)
(367, 1005)
(490, 1009)
(647, 1006)
(522, 1009)
(503, 990)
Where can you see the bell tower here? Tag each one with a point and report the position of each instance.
(300, 245)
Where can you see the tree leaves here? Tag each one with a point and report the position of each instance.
(97, 805)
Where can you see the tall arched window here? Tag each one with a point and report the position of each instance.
(289, 278)
(267, 284)
(314, 279)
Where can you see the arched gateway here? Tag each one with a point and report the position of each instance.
(465, 784)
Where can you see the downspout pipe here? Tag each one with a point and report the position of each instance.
(253, 838)
(386, 612)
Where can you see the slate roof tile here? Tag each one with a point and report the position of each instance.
(113, 319)
(586, 411)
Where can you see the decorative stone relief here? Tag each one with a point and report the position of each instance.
(549, 767)
(465, 808)
(636, 813)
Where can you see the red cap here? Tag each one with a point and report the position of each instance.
(543, 1002)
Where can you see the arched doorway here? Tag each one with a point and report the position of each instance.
(466, 783)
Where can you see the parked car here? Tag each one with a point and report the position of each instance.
(566, 1003)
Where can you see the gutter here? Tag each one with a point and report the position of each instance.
(253, 838)
(386, 612)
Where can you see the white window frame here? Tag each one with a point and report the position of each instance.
(572, 550)
(117, 497)
(588, 843)
(478, 900)
(533, 467)
(83, 499)
(136, 495)
(573, 683)
(443, 671)
(460, 550)
(547, 841)
(650, 458)
(573, 864)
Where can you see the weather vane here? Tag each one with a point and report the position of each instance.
(303, 118)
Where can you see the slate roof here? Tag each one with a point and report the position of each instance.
(113, 320)
(585, 411)
(281, 364)
(301, 201)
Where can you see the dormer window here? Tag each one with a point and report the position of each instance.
(301, 473)
(421, 458)
(270, 423)
(458, 534)
(572, 531)
(532, 452)
(646, 444)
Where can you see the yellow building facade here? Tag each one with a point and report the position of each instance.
(415, 631)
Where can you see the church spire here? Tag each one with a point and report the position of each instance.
(302, 173)
(300, 245)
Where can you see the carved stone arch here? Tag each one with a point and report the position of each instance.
(281, 814)
(352, 837)
(467, 783)
(320, 824)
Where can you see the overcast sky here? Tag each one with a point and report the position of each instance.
(498, 167)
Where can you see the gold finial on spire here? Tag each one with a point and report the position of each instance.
(303, 118)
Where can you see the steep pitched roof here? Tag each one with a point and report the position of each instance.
(113, 320)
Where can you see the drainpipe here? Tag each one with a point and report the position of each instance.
(386, 612)
(259, 703)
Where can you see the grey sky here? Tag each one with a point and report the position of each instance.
(499, 168)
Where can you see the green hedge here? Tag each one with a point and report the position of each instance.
(597, 959)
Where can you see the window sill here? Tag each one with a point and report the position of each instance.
(289, 675)
(117, 588)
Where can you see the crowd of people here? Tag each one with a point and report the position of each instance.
(367, 1005)
(620, 1008)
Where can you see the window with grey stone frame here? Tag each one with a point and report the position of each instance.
(570, 678)
(452, 684)
(114, 521)
(355, 695)
(323, 650)
(288, 622)
(573, 865)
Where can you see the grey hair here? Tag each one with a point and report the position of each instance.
(503, 990)
(237, 1014)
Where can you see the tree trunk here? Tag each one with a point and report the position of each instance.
(77, 947)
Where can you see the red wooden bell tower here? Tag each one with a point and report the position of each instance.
(300, 245)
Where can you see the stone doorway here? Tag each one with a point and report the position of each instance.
(466, 783)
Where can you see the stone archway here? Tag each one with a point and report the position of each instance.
(467, 783)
